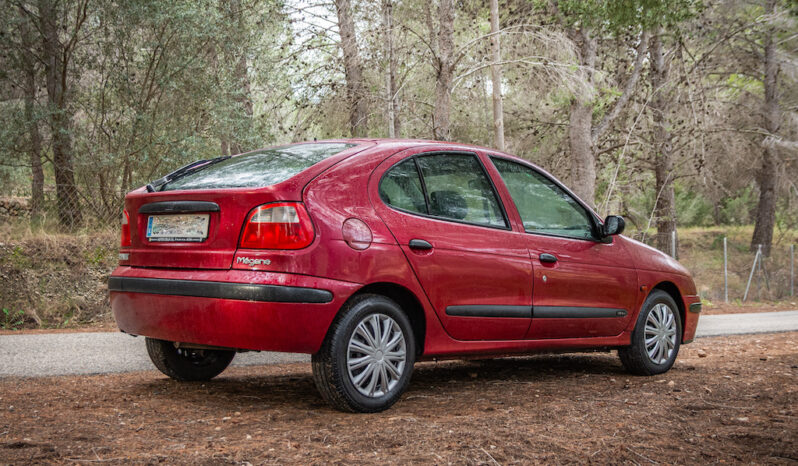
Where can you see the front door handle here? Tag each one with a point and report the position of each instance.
(548, 258)
(420, 244)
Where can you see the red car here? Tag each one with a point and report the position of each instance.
(374, 254)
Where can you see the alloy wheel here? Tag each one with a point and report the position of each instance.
(376, 355)
(660, 333)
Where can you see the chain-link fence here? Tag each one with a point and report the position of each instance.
(728, 269)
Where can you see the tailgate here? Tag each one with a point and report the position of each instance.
(225, 213)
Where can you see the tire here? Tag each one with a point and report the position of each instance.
(659, 319)
(375, 381)
(186, 364)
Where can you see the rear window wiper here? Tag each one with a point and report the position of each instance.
(183, 171)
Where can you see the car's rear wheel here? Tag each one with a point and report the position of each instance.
(366, 360)
(656, 337)
(186, 364)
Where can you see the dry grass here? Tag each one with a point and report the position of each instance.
(701, 251)
(55, 279)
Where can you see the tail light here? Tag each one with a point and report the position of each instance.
(125, 229)
(282, 225)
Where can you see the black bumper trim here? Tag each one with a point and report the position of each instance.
(567, 312)
(696, 308)
(489, 310)
(220, 290)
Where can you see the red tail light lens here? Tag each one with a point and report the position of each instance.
(125, 229)
(282, 225)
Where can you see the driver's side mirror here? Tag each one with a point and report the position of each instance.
(613, 225)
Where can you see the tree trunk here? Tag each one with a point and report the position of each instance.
(35, 146)
(665, 206)
(496, 76)
(445, 77)
(69, 214)
(243, 93)
(353, 70)
(583, 161)
(392, 117)
(767, 176)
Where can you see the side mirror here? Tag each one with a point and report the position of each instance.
(613, 225)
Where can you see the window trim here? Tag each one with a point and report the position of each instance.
(507, 225)
(595, 221)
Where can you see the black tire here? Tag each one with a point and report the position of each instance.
(331, 372)
(186, 364)
(635, 357)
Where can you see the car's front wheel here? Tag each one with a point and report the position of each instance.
(186, 364)
(366, 360)
(656, 337)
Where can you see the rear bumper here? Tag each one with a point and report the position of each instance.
(230, 308)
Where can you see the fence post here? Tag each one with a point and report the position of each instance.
(673, 244)
(751, 275)
(725, 273)
(792, 269)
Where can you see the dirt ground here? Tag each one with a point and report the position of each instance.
(727, 399)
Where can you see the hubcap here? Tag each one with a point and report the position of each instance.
(376, 355)
(660, 333)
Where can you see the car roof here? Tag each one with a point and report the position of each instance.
(402, 144)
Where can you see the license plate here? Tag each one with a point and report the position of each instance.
(177, 228)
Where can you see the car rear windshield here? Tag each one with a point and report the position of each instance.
(258, 169)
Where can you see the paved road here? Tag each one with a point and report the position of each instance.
(99, 353)
(95, 353)
(740, 324)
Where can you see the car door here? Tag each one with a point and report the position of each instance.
(445, 213)
(584, 286)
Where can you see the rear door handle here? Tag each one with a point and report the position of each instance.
(419, 244)
(548, 258)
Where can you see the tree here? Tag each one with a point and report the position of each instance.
(768, 174)
(57, 63)
(496, 76)
(444, 68)
(393, 121)
(28, 65)
(583, 22)
(241, 110)
(353, 69)
(664, 202)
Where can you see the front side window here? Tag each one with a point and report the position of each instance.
(544, 207)
(457, 188)
(258, 169)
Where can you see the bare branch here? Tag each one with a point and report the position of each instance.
(628, 90)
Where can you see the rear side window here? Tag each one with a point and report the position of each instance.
(401, 188)
(457, 188)
(258, 169)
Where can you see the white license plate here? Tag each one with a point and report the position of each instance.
(178, 228)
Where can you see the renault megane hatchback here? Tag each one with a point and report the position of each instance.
(374, 254)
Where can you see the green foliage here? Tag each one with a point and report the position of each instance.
(737, 209)
(692, 209)
(98, 255)
(16, 258)
(11, 320)
(621, 15)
